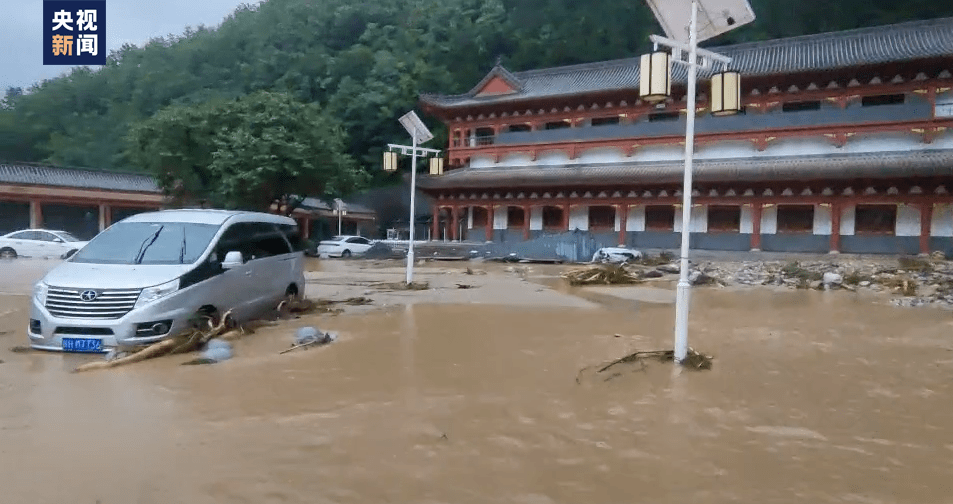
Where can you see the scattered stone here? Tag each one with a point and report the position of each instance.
(669, 268)
(653, 274)
(830, 279)
(864, 283)
(938, 255)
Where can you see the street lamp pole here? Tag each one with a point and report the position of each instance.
(683, 290)
(413, 194)
(720, 16)
(419, 134)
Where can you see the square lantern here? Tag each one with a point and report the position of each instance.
(390, 161)
(655, 77)
(436, 166)
(725, 93)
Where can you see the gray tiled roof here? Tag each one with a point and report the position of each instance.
(318, 204)
(70, 177)
(824, 51)
(925, 163)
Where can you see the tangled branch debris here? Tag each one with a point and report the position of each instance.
(604, 274)
(693, 361)
(226, 330)
(403, 285)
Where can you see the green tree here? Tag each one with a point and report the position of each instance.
(246, 153)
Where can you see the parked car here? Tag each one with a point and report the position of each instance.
(39, 243)
(149, 276)
(344, 246)
(616, 255)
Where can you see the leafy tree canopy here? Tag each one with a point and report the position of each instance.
(247, 152)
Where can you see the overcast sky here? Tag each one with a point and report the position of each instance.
(133, 21)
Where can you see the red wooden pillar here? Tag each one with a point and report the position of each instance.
(306, 228)
(455, 222)
(526, 219)
(835, 227)
(36, 214)
(566, 209)
(623, 216)
(489, 223)
(435, 225)
(756, 227)
(926, 218)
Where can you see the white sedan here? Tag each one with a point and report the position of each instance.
(344, 246)
(616, 255)
(39, 243)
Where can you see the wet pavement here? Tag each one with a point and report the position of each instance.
(814, 396)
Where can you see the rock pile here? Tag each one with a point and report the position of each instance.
(917, 281)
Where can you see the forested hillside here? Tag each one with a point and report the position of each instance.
(362, 62)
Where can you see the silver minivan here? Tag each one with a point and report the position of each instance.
(149, 276)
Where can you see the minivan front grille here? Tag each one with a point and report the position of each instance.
(91, 303)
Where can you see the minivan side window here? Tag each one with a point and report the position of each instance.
(255, 240)
(293, 234)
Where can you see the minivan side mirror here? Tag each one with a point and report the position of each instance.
(232, 259)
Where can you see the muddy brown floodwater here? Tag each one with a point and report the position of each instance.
(814, 397)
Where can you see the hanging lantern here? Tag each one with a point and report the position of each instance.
(436, 166)
(655, 78)
(390, 161)
(725, 93)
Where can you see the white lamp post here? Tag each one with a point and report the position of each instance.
(339, 209)
(419, 134)
(718, 16)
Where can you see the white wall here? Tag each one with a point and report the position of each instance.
(908, 220)
(500, 214)
(579, 218)
(847, 220)
(823, 219)
(635, 221)
(942, 223)
(535, 218)
(747, 222)
(769, 219)
(699, 219)
(469, 217)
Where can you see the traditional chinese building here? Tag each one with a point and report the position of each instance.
(82, 202)
(844, 144)
(85, 202)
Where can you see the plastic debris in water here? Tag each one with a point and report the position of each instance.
(311, 335)
(218, 350)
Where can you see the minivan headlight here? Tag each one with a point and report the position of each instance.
(150, 294)
(39, 292)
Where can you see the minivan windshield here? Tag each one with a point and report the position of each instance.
(148, 243)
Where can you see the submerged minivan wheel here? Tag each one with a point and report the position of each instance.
(8, 253)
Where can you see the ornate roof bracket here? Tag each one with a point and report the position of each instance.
(929, 134)
(761, 143)
(839, 139)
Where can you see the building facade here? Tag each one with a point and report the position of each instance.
(82, 202)
(844, 144)
(85, 202)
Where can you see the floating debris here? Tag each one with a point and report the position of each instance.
(607, 274)
(636, 361)
(310, 336)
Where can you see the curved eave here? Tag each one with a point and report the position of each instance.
(930, 163)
